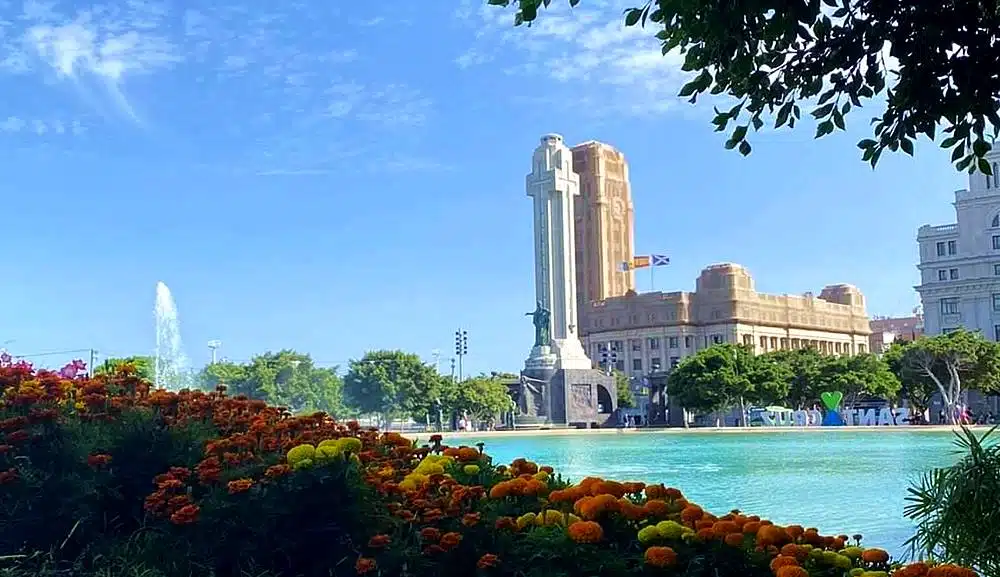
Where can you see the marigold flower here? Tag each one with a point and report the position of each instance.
(657, 556)
(450, 540)
(648, 534)
(586, 532)
(510, 523)
(364, 565)
(8, 476)
(791, 571)
(877, 556)
(99, 460)
(734, 539)
(239, 486)
(783, 561)
(430, 534)
(185, 515)
(471, 469)
(470, 519)
(379, 541)
(486, 561)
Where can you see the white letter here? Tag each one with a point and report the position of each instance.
(800, 418)
(902, 415)
(866, 417)
(885, 417)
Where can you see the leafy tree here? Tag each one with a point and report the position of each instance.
(286, 378)
(806, 367)
(392, 383)
(954, 362)
(771, 58)
(711, 381)
(626, 400)
(955, 508)
(859, 376)
(144, 366)
(917, 388)
(482, 397)
(769, 379)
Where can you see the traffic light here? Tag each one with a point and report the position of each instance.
(461, 343)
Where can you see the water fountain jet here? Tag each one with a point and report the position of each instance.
(171, 362)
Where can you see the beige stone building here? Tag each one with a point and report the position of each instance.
(652, 332)
(605, 221)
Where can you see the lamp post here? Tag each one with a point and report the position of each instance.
(461, 349)
(213, 345)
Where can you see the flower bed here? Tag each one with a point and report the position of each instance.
(105, 471)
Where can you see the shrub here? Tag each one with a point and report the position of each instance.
(105, 475)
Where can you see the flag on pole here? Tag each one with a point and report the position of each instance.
(661, 260)
(640, 261)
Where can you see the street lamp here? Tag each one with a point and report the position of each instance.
(212, 346)
(461, 349)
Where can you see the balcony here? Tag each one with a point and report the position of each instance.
(939, 230)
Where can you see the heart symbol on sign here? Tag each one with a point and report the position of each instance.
(832, 399)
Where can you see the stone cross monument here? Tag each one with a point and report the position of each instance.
(552, 185)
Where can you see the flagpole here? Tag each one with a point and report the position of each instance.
(652, 285)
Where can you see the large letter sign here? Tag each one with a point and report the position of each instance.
(834, 416)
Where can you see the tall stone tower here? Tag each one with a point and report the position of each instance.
(553, 186)
(604, 227)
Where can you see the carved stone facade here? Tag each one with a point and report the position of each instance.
(605, 222)
(653, 331)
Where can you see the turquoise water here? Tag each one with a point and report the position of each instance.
(839, 481)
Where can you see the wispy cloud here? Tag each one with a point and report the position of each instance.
(41, 127)
(588, 50)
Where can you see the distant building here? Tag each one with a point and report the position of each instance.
(960, 262)
(652, 332)
(886, 330)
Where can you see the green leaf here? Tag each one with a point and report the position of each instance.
(866, 144)
(740, 133)
(745, 148)
(632, 16)
(907, 145)
(823, 111)
(757, 123)
(824, 128)
(573, 3)
(980, 147)
(957, 153)
(838, 119)
(965, 162)
(783, 113)
(984, 167)
(688, 89)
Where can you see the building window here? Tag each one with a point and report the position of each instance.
(996, 222)
(674, 361)
(717, 340)
(654, 343)
(636, 345)
(953, 274)
(687, 342)
(996, 242)
(949, 306)
(620, 365)
(636, 364)
(748, 340)
(996, 333)
(861, 349)
(996, 270)
(996, 175)
(952, 247)
(940, 249)
(763, 343)
(996, 301)
(672, 341)
(654, 363)
(617, 346)
(942, 274)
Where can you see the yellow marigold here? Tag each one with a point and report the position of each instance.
(350, 444)
(326, 454)
(586, 532)
(300, 453)
(553, 517)
(471, 469)
(853, 552)
(648, 534)
(571, 518)
(670, 529)
(541, 476)
(525, 520)
(303, 464)
(874, 574)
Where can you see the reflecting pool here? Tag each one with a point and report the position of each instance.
(841, 481)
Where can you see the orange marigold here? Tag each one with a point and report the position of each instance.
(734, 539)
(450, 540)
(783, 561)
(913, 570)
(185, 515)
(379, 541)
(486, 561)
(586, 532)
(949, 570)
(430, 534)
(791, 571)
(98, 461)
(239, 486)
(875, 556)
(660, 556)
(364, 565)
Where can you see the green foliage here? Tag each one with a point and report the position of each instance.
(723, 376)
(626, 400)
(774, 58)
(917, 388)
(482, 397)
(285, 378)
(955, 508)
(393, 383)
(953, 362)
(145, 366)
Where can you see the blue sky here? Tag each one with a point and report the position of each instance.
(338, 177)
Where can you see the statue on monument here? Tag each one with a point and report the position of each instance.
(540, 318)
